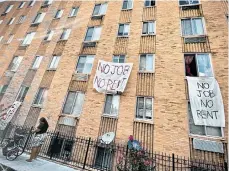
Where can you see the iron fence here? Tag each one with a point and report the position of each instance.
(91, 154)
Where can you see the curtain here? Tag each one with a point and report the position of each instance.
(204, 65)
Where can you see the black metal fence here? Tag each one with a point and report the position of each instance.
(91, 154)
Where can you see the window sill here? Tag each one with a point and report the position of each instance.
(51, 69)
(123, 36)
(110, 116)
(127, 9)
(37, 106)
(97, 16)
(188, 5)
(207, 137)
(150, 6)
(148, 121)
(69, 116)
(194, 36)
(145, 72)
(144, 35)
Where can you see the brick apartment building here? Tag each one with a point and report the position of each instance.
(50, 50)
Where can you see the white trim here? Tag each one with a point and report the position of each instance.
(136, 110)
(146, 71)
(150, 21)
(188, 4)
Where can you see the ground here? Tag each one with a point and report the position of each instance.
(37, 165)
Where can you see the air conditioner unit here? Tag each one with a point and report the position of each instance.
(80, 77)
(69, 121)
(195, 40)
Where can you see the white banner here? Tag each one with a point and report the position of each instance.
(7, 115)
(111, 77)
(206, 101)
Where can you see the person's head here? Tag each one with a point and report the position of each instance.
(43, 120)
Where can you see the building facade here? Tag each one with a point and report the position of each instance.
(50, 51)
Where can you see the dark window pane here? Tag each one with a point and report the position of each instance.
(96, 10)
(124, 6)
(121, 29)
(69, 103)
(89, 34)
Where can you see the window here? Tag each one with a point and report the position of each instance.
(127, 4)
(15, 63)
(147, 63)
(21, 5)
(58, 14)
(31, 3)
(1, 37)
(40, 96)
(74, 103)
(149, 3)
(188, 2)
(202, 130)
(49, 35)
(37, 62)
(197, 65)
(21, 19)
(47, 2)
(3, 89)
(111, 105)
(10, 39)
(148, 28)
(123, 29)
(8, 9)
(38, 19)
(54, 62)
(73, 12)
(85, 64)
(100, 9)
(65, 34)
(1, 21)
(11, 21)
(119, 59)
(104, 158)
(192, 27)
(144, 108)
(22, 93)
(93, 33)
(28, 38)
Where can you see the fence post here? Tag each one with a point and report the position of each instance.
(27, 140)
(55, 140)
(173, 160)
(225, 166)
(85, 160)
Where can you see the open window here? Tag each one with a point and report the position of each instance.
(197, 65)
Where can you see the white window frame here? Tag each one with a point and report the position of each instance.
(93, 39)
(71, 14)
(42, 97)
(146, 71)
(205, 128)
(23, 89)
(58, 14)
(11, 36)
(8, 9)
(111, 114)
(38, 20)
(22, 4)
(128, 8)
(119, 58)
(197, 69)
(15, 63)
(36, 62)
(47, 2)
(102, 5)
(74, 103)
(188, 4)
(49, 35)
(136, 109)
(31, 3)
(126, 26)
(150, 5)
(11, 21)
(28, 39)
(21, 19)
(154, 27)
(1, 38)
(65, 34)
(54, 63)
(83, 72)
(1, 21)
(203, 23)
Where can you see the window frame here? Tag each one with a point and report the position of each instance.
(26, 88)
(154, 27)
(104, 106)
(31, 3)
(12, 64)
(40, 18)
(49, 35)
(146, 71)
(44, 91)
(150, 1)
(188, 4)
(76, 9)
(125, 24)
(21, 19)
(93, 34)
(63, 34)
(84, 64)
(11, 37)
(152, 111)
(119, 58)
(34, 62)
(132, 5)
(21, 5)
(7, 10)
(74, 103)
(30, 39)
(49, 66)
(205, 127)
(190, 36)
(59, 14)
(11, 21)
(100, 8)
(197, 69)
(1, 38)
(3, 87)
(1, 21)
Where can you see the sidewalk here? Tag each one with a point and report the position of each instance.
(39, 164)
